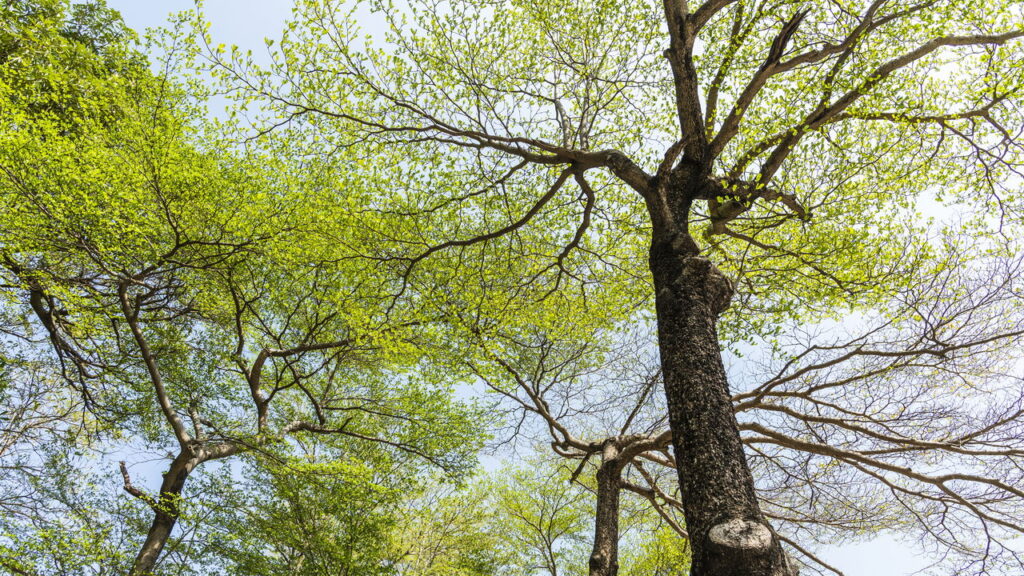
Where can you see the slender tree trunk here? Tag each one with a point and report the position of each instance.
(166, 513)
(604, 559)
(729, 535)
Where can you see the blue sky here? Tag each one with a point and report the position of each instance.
(247, 22)
(241, 22)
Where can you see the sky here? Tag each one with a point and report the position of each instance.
(242, 22)
(247, 22)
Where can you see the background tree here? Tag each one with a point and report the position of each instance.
(528, 518)
(545, 518)
(775, 151)
(448, 529)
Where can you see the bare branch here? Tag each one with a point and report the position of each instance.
(129, 488)
(131, 316)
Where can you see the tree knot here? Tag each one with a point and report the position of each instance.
(741, 534)
(699, 275)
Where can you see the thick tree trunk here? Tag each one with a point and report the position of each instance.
(604, 559)
(166, 512)
(728, 533)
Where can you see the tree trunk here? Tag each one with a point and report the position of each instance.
(166, 513)
(729, 535)
(604, 559)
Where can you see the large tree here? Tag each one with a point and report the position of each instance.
(180, 295)
(770, 155)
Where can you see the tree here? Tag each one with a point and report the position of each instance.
(186, 289)
(319, 511)
(528, 518)
(771, 156)
(837, 423)
(543, 517)
(577, 392)
(446, 529)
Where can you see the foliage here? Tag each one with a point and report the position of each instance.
(326, 511)
(165, 275)
(289, 307)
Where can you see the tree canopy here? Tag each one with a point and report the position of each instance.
(720, 282)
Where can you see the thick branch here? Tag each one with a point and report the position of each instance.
(730, 126)
(255, 373)
(684, 76)
(705, 13)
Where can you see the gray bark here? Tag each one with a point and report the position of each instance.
(604, 559)
(729, 534)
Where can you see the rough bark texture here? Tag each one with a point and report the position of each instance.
(166, 512)
(729, 535)
(604, 559)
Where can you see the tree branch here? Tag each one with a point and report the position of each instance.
(129, 488)
(705, 13)
(131, 316)
(825, 114)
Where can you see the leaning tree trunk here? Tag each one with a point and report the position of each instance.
(604, 559)
(728, 533)
(166, 510)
